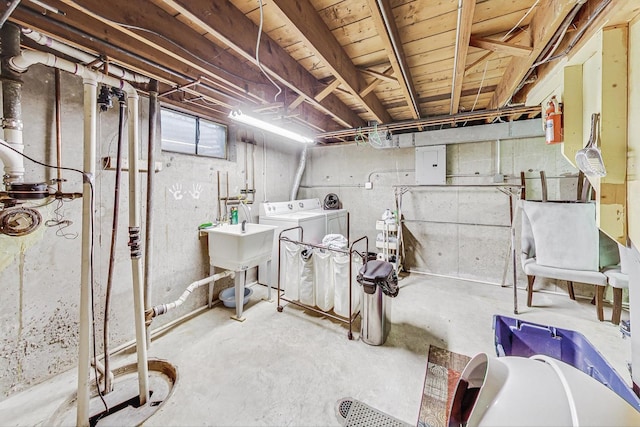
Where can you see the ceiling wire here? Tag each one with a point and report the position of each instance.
(168, 40)
(520, 21)
(275, 98)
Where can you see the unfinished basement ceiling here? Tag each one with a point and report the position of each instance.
(336, 66)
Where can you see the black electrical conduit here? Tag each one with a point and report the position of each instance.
(114, 238)
(151, 167)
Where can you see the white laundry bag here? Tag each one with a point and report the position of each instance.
(323, 279)
(306, 289)
(340, 264)
(290, 277)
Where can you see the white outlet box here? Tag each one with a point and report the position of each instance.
(368, 185)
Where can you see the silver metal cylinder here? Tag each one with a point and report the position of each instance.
(375, 316)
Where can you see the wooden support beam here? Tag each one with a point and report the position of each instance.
(382, 16)
(544, 23)
(97, 18)
(501, 47)
(386, 75)
(299, 100)
(304, 20)
(486, 56)
(223, 20)
(465, 20)
(374, 83)
(327, 90)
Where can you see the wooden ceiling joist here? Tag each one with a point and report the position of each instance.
(388, 32)
(465, 15)
(223, 21)
(305, 21)
(501, 47)
(545, 22)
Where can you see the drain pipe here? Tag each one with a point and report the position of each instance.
(298, 178)
(11, 107)
(151, 167)
(21, 63)
(86, 279)
(134, 243)
(108, 385)
(82, 56)
(163, 308)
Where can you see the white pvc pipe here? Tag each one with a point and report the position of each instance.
(163, 308)
(80, 55)
(84, 344)
(91, 79)
(136, 264)
(13, 162)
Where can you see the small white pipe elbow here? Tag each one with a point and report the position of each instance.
(13, 161)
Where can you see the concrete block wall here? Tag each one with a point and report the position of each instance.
(40, 272)
(455, 231)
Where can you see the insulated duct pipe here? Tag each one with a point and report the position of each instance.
(298, 178)
(21, 63)
(151, 167)
(11, 107)
(81, 56)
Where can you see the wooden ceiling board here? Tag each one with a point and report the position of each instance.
(217, 40)
(343, 14)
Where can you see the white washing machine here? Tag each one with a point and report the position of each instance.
(336, 221)
(305, 213)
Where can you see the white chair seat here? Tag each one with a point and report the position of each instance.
(616, 278)
(583, 276)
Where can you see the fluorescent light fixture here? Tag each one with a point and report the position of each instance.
(238, 116)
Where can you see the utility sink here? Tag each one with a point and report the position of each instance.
(233, 249)
(239, 247)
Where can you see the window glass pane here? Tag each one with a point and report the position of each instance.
(213, 140)
(178, 132)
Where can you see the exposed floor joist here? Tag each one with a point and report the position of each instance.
(388, 32)
(222, 20)
(305, 21)
(545, 22)
(465, 20)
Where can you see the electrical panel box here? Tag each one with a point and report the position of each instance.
(431, 165)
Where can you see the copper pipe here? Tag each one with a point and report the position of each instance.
(58, 130)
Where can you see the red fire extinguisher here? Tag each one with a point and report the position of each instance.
(553, 122)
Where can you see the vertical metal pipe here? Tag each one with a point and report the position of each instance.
(86, 282)
(151, 162)
(58, 131)
(12, 100)
(134, 236)
(219, 213)
(114, 239)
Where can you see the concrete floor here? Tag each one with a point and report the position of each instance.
(290, 368)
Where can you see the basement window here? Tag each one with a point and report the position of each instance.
(184, 133)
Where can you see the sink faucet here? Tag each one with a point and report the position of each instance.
(244, 226)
